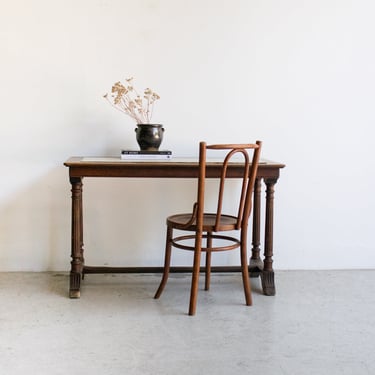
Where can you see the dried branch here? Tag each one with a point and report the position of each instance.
(127, 100)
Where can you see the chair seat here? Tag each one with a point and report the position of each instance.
(227, 222)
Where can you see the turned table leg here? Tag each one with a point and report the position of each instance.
(268, 277)
(255, 262)
(77, 238)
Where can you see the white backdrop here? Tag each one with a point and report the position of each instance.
(298, 75)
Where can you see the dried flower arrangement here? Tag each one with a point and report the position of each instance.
(126, 99)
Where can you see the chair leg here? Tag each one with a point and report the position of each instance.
(195, 276)
(208, 262)
(167, 262)
(245, 271)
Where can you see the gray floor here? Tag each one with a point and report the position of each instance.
(318, 323)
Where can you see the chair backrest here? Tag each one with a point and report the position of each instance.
(247, 163)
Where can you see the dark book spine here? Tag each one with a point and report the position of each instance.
(145, 152)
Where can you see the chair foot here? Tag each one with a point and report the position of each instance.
(160, 289)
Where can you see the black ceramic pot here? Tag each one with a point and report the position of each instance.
(149, 136)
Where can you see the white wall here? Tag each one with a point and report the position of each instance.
(298, 75)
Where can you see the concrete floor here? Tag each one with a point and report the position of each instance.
(320, 322)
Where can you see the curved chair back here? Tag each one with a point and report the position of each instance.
(247, 166)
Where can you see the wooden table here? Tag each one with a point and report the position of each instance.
(81, 167)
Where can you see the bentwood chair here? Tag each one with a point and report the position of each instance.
(211, 226)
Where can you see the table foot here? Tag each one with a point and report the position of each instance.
(268, 283)
(255, 267)
(75, 283)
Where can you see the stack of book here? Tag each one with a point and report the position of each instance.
(146, 155)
